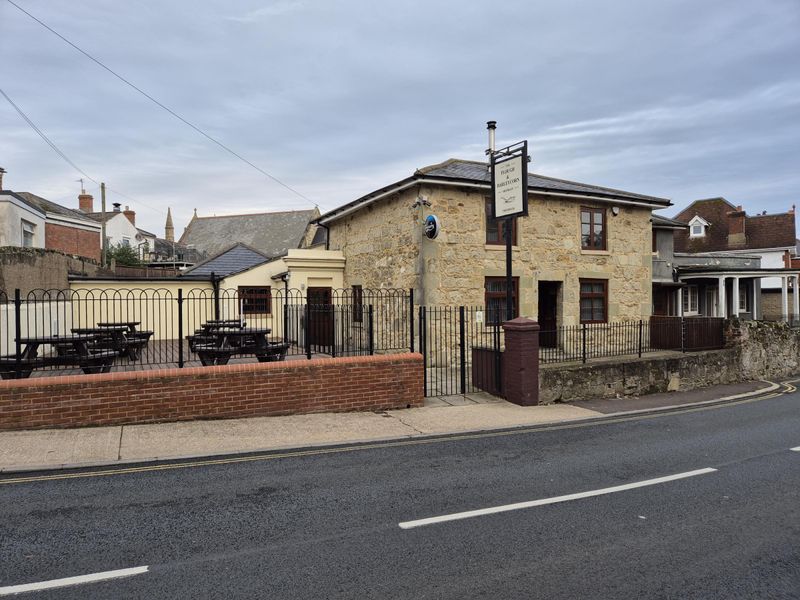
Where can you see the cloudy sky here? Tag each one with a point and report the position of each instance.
(681, 99)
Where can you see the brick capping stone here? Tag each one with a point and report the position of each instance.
(521, 362)
(368, 383)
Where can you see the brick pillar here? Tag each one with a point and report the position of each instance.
(521, 362)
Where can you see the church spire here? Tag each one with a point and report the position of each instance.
(169, 229)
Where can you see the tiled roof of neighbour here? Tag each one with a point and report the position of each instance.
(661, 221)
(456, 170)
(761, 231)
(469, 170)
(51, 207)
(235, 259)
(271, 233)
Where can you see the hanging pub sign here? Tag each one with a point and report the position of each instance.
(509, 167)
(432, 227)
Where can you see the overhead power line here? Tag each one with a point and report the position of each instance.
(161, 105)
(66, 158)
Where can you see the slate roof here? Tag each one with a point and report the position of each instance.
(273, 233)
(46, 205)
(468, 171)
(761, 231)
(661, 221)
(235, 259)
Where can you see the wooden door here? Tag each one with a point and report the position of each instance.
(548, 313)
(320, 317)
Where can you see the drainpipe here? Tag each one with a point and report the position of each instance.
(215, 286)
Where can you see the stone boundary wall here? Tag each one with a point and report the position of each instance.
(756, 350)
(368, 383)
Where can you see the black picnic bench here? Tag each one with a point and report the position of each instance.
(228, 342)
(205, 333)
(70, 350)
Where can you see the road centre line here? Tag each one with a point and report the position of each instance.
(68, 581)
(554, 500)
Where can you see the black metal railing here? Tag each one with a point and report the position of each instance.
(163, 327)
(580, 343)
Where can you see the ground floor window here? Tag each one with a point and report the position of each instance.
(255, 300)
(691, 297)
(495, 298)
(594, 300)
(743, 295)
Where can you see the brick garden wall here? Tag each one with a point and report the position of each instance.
(366, 383)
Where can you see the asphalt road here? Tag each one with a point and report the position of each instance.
(327, 525)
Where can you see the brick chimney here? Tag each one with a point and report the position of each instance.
(736, 233)
(2, 170)
(85, 202)
(130, 214)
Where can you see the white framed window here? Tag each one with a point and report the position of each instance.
(126, 241)
(711, 302)
(697, 227)
(743, 295)
(691, 297)
(28, 234)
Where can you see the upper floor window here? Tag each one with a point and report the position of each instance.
(697, 227)
(495, 227)
(593, 229)
(126, 241)
(28, 233)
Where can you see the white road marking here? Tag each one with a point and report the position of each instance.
(67, 581)
(795, 449)
(530, 504)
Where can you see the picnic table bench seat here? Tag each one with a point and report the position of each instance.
(97, 361)
(211, 354)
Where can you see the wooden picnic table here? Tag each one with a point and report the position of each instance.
(204, 335)
(227, 341)
(136, 339)
(70, 350)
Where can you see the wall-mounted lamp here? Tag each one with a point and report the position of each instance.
(615, 210)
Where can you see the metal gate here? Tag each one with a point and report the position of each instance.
(460, 346)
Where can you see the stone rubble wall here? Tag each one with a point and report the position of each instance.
(755, 350)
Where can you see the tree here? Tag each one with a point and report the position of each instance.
(124, 255)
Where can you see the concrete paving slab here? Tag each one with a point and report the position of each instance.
(486, 416)
(483, 398)
(259, 433)
(59, 446)
(435, 401)
(456, 400)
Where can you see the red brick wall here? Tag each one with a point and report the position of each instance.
(366, 383)
(72, 240)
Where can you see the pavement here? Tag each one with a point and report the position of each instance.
(94, 446)
(682, 504)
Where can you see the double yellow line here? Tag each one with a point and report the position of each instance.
(788, 388)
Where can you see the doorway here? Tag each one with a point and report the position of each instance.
(320, 317)
(548, 313)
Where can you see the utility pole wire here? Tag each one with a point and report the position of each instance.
(166, 108)
(66, 158)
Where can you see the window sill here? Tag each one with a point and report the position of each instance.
(596, 252)
(499, 247)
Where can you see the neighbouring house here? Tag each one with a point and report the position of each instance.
(273, 233)
(717, 226)
(583, 255)
(30, 221)
(121, 227)
(710, 284)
